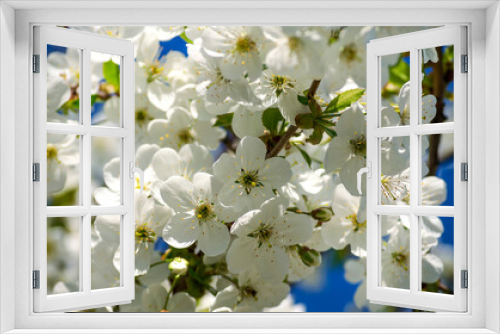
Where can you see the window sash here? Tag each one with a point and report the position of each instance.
(86, 297)
(413, 298)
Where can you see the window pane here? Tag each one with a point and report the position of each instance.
(437, 85)
(105, 89)
(395, 251)
(437, 254)
(63, 254)
(106, 171)
(106, 238)
(395, 168)
(63, 84)
(63, 170)
(395, 83)
(437, 170)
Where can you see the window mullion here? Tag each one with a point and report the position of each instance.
(86, 167)
(414, 172)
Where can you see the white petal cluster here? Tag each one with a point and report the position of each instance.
(240, 202)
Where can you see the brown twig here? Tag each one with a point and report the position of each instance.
(438, 88)
(292, 129)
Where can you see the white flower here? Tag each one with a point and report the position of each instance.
(346, 59)
(280, 90)
(430, 54)
(152, 69)
(198, 215)
(145, 111)
(251, 294)
(149, 222)
(67, 66)
(287, 305)
(181, 128)
(247, 121)
(348, 225)
(190, 159)
(347, 151)
(238, 49)
(62, 156)
(166, 33)
(355, 272)
(263, 235)
(296, 52)
(401, 115)
(396, 261)
(249, 178)
(58, 92)
(212, 84)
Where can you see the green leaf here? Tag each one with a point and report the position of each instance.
(224, 120)
(305, 155)
(317, 135)
(305, 121)
(303, 99)
(271, 118)
(111, 72)
(330, 132)
(314, 107)
(185, 38)
(344, 100)
(399, 74)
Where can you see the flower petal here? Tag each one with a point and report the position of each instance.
(181, 231)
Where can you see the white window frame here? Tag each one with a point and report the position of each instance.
(86, 297)
(484, 100)
(414, 43)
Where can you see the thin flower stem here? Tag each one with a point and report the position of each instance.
(171, 291)
(292, 129)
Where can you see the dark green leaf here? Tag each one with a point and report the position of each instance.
(305, 121)
(111, 72)
(317, 135)
(271, 118)
(399, 74)
(185, 38)
(224, 120)
(303, 99)
(305, 155)
(322, 122)
(314, 107)
(344, 100)
(330, 132)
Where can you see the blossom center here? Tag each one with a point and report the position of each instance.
(280, 83)
(186, 136)
(51, 152)
(294, 43)
(400, 259)
(349, 53)
(205, 211)
(244, 44)
(263, 235)
(142, 117)
(358, 146)
(154, 70)
(249, 180)
(356, 226)
(249, 292)
(144, 234)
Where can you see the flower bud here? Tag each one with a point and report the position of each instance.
(323, 214)
(309, 257)
(178, 266)
(305, 121)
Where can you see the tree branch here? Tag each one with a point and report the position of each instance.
(292, 129)
(438, 88)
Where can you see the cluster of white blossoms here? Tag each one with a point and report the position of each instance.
(250, 147)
